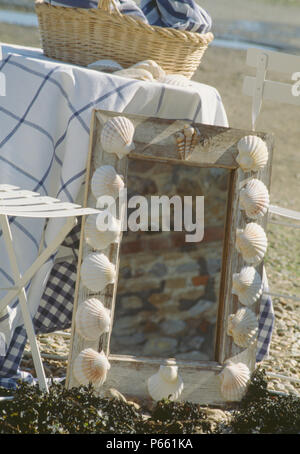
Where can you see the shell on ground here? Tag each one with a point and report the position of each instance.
(165, 384)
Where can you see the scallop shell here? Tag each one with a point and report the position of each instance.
(178, 80)
(91, 367)
(165, 384)
(152, 67)
(100, 239)
(254, 198)
(234, 381)
(243, 327)
(186, 141)
(252, 243)
(117, 136)
(253, 153)
(108, 66)
(247, 285)
(97, 272)
(136, 73)
(92, 319)
(106, 182)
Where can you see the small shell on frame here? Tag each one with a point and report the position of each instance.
(117, 136)
(136, 73)
(97, 272)
(243, 327)
(252, 243)
(254, 198)
(234, 381)
(152, 67)
(108, 66)
(91, 367)
(247, 285)
(101, 239)
(106, 182)
(92, 319)
(253, 153)
(165, 384)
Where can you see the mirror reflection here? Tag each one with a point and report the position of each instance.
(168, 288)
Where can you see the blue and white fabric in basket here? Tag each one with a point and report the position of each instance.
(127, 7)
(180, 14)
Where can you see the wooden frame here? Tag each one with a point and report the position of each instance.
(154, 140)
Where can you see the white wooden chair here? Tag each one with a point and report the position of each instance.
(17, 202)
(260, 88)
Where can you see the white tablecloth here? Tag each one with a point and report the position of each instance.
(44, 133)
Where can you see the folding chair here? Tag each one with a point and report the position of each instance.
(17, 202)
(259, 88)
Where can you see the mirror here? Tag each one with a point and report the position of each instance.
(168, 288)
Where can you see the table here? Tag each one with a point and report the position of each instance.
(44, 134)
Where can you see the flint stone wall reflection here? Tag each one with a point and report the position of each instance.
(167, 298)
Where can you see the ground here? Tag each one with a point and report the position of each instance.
(224, 69)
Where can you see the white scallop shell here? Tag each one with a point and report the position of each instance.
(247, 285)
(106, 182)
(165, 384)
(91, 367)
(100, 239)
(234, 381)
(178, 80)
(117, 136)
(136, 73)
(254, 198)
(252, 243)
(97, 272)
(243, 327)
(253, 153)
(108, 66)
(151, 66)
(92, 319)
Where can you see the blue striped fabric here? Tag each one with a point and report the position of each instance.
(180, 14)
(127, 7)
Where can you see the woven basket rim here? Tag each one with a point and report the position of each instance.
(166, 32)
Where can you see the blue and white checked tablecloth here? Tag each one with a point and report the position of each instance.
(44, 134)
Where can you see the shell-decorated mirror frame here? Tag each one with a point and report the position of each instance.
(114, 139)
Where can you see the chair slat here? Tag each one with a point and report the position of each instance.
(51, 214)
(28, 201)
(40, 208)
(277, 61)
(17, 194)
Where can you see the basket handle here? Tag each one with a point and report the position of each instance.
(105, 5)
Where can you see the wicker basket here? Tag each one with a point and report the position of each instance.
(82, 36)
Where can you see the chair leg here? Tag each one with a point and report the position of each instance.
(38, 263)
(37, 360)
